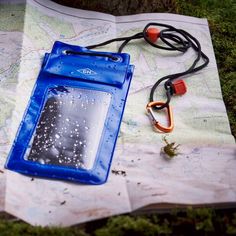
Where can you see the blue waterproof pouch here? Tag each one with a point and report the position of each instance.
(71, 124)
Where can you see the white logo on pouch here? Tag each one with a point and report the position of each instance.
(87, 71)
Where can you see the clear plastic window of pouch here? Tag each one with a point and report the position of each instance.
(70, 127)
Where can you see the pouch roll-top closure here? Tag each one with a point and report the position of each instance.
(91, 66)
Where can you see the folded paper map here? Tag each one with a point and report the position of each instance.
(141, 178)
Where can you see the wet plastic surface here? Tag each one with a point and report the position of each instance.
(72, 121)
(70, 127)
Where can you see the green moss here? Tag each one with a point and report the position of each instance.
(127, 225)
(19, 228)
(199, 221)
(231, 227)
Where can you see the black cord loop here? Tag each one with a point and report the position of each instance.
(174, 40)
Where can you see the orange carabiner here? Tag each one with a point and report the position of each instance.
(155, 122)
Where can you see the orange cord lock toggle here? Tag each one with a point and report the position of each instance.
(153, 34)
(156, 123)
(179, 87)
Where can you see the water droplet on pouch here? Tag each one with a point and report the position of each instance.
(41, 161)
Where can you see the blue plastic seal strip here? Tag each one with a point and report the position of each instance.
(70, 127)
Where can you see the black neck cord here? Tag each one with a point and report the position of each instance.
(174, 40)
